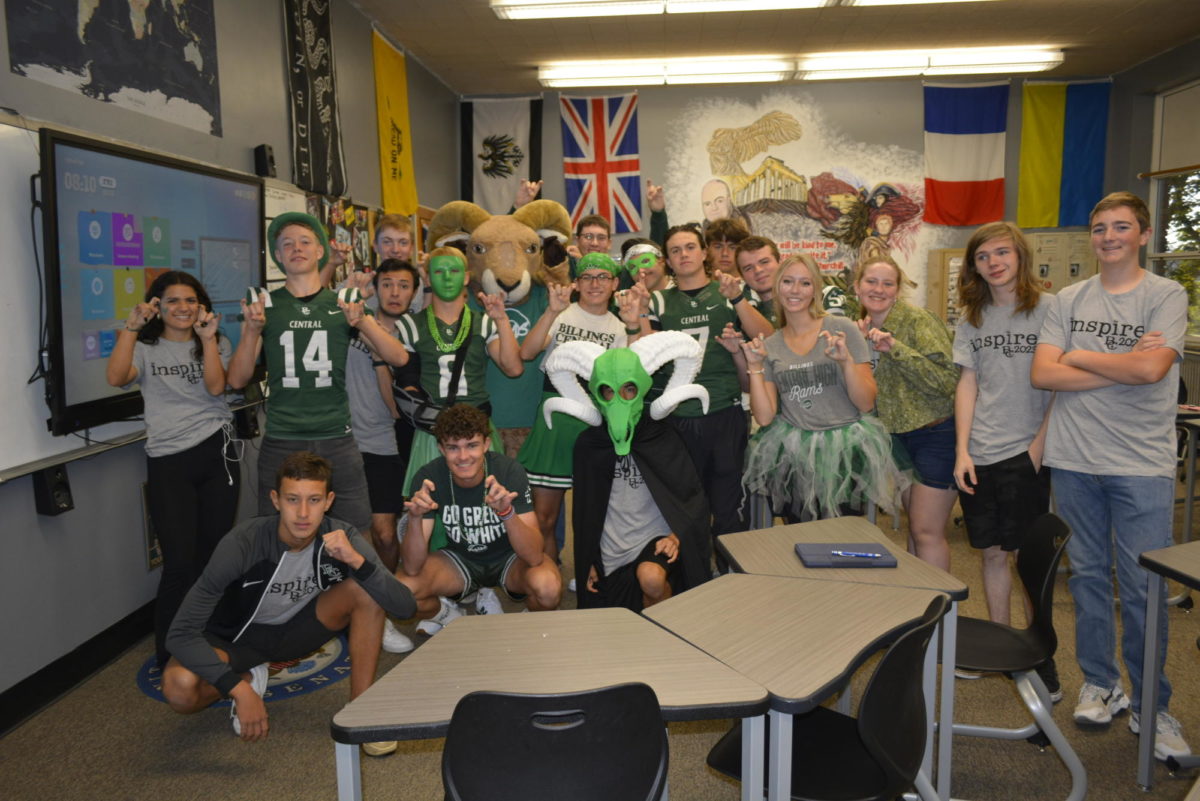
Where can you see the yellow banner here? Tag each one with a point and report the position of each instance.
(1042, 124)
(396, 176)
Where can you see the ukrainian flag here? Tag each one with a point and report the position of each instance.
(1064, 128)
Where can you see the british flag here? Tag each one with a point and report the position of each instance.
(601, 165)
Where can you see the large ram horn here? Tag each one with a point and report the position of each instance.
(569, 360)
(659, 348)
(546, 216)
(455, 216)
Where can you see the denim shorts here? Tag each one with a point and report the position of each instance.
(931, 450)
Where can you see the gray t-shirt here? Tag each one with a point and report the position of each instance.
(180, 412)
(1119, 430)
(1008, 410)
(293, 585)
(370, 419)
(812, 388)
(633, 517)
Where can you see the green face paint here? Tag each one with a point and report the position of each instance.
(447, 276)
(613, 370)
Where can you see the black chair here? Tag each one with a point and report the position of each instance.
(599, 745)
(989, 647)
(873, 757)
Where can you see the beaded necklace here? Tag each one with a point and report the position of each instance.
(464, 327)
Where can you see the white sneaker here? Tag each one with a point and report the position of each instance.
(258, 682)
(571, 585)
(394, 642)
(1097, 705)
(1168, 735)
(433, 625)
(488, 603)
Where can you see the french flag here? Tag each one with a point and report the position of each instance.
(964, 152)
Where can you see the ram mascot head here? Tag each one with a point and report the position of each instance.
(507, 253)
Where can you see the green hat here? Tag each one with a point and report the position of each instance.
(597, 261)
(296, 218)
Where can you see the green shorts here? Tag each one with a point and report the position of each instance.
(477, 574)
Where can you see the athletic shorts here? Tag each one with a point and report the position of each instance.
(385, 482)
(932, 452)
(477, 574)
(1008, 497)
(622, 589)
(260, 643)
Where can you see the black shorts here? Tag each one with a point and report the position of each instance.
(622, 587)
(385, 482)
(1008, 497)
(259, 643)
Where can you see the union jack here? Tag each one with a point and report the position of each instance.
(601, 165)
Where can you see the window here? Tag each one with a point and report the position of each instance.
(1175, 249)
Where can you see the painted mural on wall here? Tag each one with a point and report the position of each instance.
(791, 175)
(155, 57)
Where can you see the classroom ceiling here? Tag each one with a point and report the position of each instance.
(476, 53)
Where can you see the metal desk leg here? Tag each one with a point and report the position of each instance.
(349, 773)
(753, 747)
(929, 687)
(1150, 657)
(946, 705)
(780, 769)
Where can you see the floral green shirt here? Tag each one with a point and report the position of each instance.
(917, 377)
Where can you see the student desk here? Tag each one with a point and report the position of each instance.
(771, 551)
(1182, 563)
(802, 640)
(542, 652)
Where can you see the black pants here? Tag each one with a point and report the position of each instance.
(193, 503)
(717, 444)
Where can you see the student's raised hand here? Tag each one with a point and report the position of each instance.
(835, 345)
(141, 314)
(251, 712)
(629, 305)
(339, 253)
(864, 326)
(964, 473)
(730, 286)
(363, 281)
(337, 544)
(573, 252)
(730, 338)
(353, 311)
(559, 296)
(254, 315)
(422, 502)
(496, 496)
(654, 196)
(1149, 341)
(493, 306)
(206, 325)
(881, 340)
(668, 545)
(527, 191)
(755, 351)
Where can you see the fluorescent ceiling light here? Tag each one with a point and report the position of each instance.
(706, 6)
(543, 9)
(649, 72)
(958, 61)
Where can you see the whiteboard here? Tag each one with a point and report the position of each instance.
(24, 437)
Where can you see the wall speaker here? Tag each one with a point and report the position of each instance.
(264, 161)
(52, 491)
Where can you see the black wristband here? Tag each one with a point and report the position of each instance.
(735, 301)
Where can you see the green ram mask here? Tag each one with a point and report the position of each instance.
(619, 384)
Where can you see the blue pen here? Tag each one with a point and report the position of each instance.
(858, 554)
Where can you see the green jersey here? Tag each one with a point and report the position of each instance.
(515, 400)
(437, 365)
(305, 341)
(701, 314)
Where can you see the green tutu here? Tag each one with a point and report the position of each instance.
(816, 472)
(548, 453)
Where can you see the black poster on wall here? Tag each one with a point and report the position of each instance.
(318, 164)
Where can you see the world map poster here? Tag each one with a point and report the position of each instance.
(156, 57)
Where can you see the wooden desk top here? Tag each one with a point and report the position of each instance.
(1179, 562)
(771, 552)
(799, 639)
(544, 652)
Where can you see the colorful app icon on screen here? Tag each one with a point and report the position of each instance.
(127, 241)
(156, 241)
(129, 287)
(91, 345)
(95, 237)
(96, 294)
(108, 341)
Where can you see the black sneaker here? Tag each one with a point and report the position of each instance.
(1049, 675)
